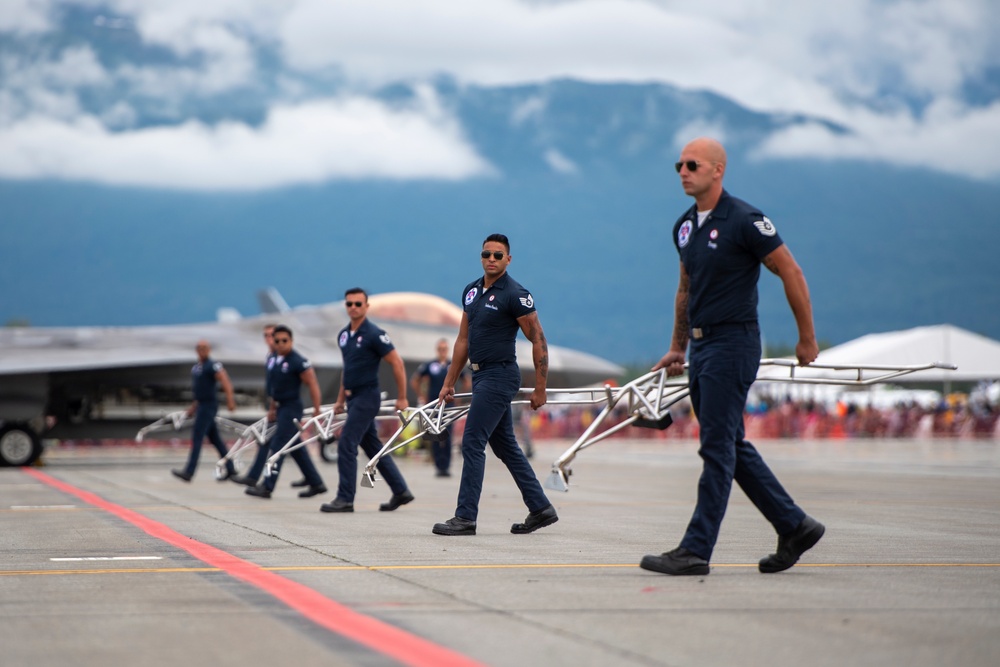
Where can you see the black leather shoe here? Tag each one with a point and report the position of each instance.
(258, 491)
(337, 505)
(678, 562)
(455, 526)
(442, 473)
(313, 491)
(397, 500)
(792, 546)
(243, 479)
(543, 517)
(300, 483)
(183, 475)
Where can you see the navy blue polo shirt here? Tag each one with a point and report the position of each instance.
(362, 351)
(493, 317)
(435, 372)
(722, 259)
(203, 380)
(268, 365)
(284, 379)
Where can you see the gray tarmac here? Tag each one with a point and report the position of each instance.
(908, 572)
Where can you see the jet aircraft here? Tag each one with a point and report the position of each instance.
(106, 382)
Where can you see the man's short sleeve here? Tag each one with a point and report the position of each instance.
(522, 303)
(382, 344)
(760, 235)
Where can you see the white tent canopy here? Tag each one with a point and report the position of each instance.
(977, 357)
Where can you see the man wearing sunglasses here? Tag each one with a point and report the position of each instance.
(253, 473)
(722, 241)
(286, 376)
(364, 346)
(496, 306)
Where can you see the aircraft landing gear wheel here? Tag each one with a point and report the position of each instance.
(328, 450)
(19, 445)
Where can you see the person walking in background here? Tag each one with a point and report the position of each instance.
(426, 383)
(286, 376)
(364, 346)
(206, 376)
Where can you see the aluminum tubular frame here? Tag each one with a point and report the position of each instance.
(647, 400)
(325, 426)
(179, 419)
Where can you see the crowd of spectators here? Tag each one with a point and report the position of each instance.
(954, 417)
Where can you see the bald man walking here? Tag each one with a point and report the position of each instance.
(205, 376)
(722, 241)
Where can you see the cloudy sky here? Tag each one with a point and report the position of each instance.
(916, 82)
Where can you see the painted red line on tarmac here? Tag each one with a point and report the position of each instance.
(372, 633)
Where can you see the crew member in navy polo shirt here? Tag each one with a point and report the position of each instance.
(496, 306)
(363, 346)
(426, 382)
(722, 241)
(252, 475)
(205, 375)
(286, 376)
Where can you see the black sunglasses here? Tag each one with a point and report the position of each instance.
(356, 304)
(690, 164)
(282, 340)
(497, 255)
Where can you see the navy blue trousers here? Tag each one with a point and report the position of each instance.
(359, 431)
(441, 450)
(721, 368)
(489, 421)
(263, 451)
(284, 430)
(204, 425)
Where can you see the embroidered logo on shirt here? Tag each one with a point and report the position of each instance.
(527, 302)
(471, 295)
(684, 233)
(343, 338)
(385, 339)
(714, 234)
(765, 227)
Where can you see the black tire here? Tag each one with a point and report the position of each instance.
(19, 445)
(328, 450)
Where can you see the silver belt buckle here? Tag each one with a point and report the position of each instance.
(475, 367)
(697, 333)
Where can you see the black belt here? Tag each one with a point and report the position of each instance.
(488, 364)
(704, 332)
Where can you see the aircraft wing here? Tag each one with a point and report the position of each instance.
(81, 375)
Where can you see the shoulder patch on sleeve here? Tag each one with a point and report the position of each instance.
(527, 301)
(765, 227)
(385, 339)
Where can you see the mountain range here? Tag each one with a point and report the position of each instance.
(585, 189)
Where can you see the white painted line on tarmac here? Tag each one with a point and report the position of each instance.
(108, 558)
